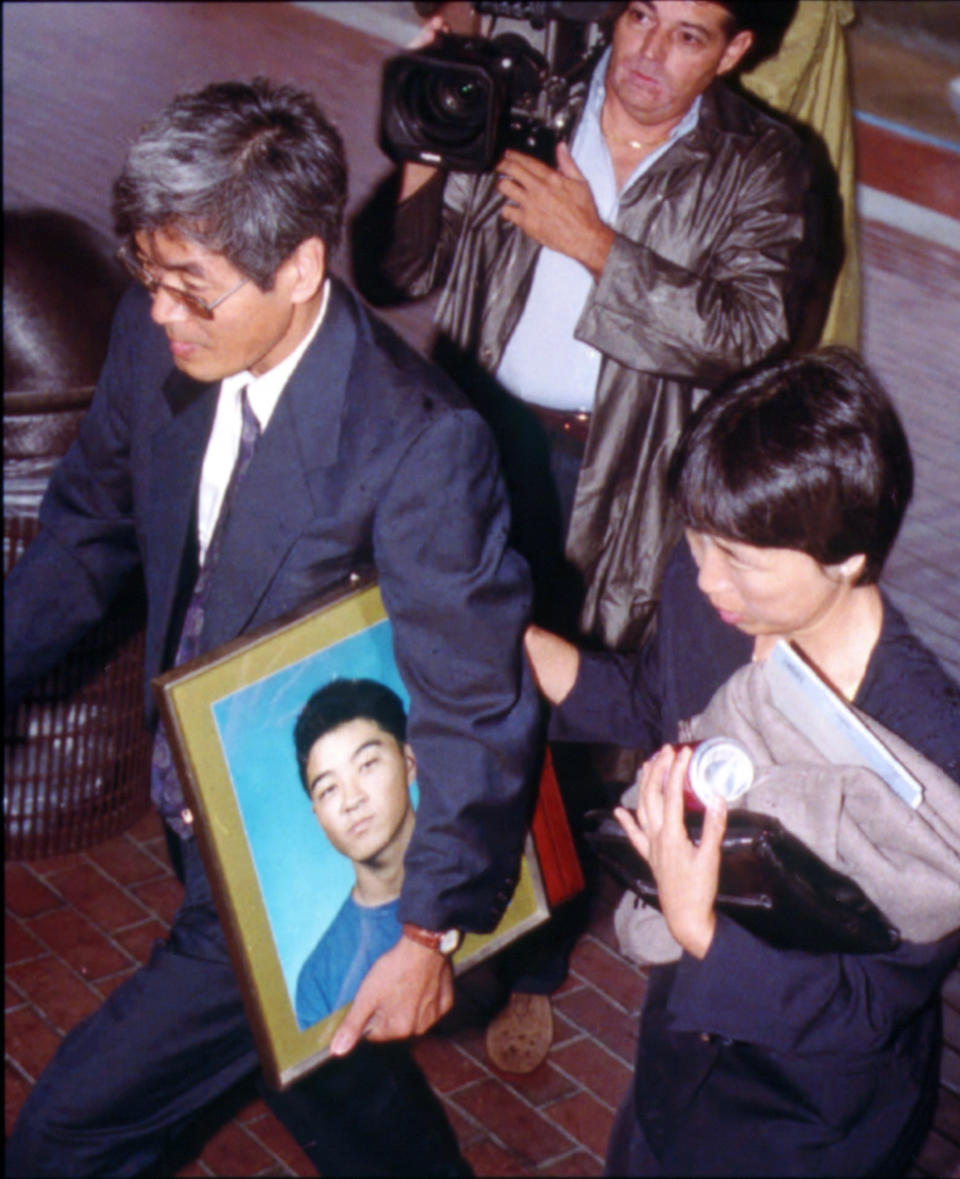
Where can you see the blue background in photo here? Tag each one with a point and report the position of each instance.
(302, 879)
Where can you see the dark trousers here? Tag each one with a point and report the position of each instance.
(174, 1038)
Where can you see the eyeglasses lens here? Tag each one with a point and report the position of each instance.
(193, 303)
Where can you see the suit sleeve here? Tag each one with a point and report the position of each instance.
(86, 549)
(739, 303)
(458, 598)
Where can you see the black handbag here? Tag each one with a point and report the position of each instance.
(770, 883)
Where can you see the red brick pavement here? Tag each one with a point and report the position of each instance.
(78, 925)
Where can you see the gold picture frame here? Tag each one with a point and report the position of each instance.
(229, 716)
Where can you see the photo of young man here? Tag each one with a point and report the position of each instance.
(357, 769)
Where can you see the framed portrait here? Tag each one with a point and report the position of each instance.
(283, 882)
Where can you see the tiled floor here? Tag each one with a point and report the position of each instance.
(79, 924)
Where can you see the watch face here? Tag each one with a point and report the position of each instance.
(449, 941)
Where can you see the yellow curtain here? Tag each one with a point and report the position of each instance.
(807, 80)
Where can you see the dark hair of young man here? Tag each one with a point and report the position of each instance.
(805, 454)
(342, 701)
(249, 170)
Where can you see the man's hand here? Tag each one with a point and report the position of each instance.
(555, 207)
(686, 874)
(405, 992)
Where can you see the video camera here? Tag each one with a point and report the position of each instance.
(460, 102)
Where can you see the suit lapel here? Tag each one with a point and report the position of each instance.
(177, 449)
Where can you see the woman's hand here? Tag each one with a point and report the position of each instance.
(686, 873)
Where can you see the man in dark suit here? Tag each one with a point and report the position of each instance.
(249, 448)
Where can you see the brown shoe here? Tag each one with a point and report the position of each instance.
(519, 1037)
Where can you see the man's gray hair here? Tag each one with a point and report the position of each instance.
(249, 170)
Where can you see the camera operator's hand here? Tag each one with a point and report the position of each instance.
(555, 207)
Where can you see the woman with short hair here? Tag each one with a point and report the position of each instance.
(792, 484)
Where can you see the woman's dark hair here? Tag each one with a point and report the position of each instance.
(804, 454)
(340, 702)
(249, 170)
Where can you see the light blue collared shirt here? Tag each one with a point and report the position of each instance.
(542, 362)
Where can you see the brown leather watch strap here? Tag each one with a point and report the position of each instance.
(443, 941)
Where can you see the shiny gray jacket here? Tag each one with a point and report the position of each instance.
(705, 278)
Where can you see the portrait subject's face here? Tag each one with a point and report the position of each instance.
(359, 779)
(251, 330)
(665, 53)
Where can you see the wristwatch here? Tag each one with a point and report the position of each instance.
(445, 941)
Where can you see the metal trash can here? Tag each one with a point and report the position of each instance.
(76, 754)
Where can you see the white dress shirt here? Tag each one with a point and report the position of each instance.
(263, 393)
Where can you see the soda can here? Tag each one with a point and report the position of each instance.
(720, 766)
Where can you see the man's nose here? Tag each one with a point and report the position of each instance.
(164, 308)
(654, 45)
(353, 794)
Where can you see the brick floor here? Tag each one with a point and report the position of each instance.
(73, 932)
(553, 1122)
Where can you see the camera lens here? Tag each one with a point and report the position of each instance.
(445, 106)
(458, 99)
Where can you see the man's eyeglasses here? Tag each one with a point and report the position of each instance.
(193, 303)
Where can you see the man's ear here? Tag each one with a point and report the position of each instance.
(410, 762)
(736, 48)
(307, 269)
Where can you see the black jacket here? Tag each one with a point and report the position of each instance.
(706, 276)
(757, 1061)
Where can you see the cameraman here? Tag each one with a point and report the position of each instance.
(588, 308)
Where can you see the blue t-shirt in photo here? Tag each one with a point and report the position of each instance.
(338, 963)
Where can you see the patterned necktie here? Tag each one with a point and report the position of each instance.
(165, 789)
